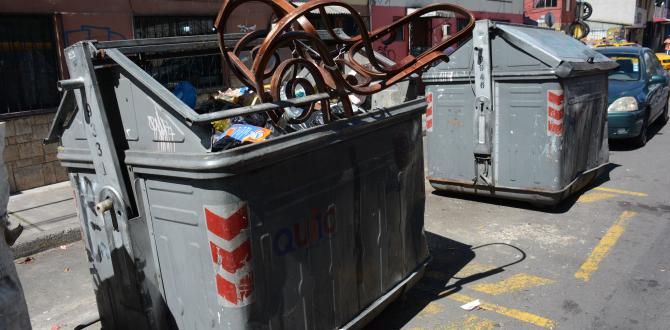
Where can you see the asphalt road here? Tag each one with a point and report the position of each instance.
(598, 261)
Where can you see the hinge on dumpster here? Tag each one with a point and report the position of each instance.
(483, 145)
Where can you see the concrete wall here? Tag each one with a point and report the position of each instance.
(614, 11)
(29, 163)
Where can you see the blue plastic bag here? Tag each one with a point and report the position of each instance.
(186, 92)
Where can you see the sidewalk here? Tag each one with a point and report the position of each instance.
(48, 215)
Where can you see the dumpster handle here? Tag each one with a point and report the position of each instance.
(70, 84)
(104, 206)
(64, 115)
(263, 107)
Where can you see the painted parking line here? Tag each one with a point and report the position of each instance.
(621, 191)
(470, 269)
(514, 283)
(431, 309)
(602, 249)
(470, 322)
(592, 197)
(509, 312)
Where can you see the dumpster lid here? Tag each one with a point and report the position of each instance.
(558, 50)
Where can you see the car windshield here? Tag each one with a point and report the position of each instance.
(629, 67)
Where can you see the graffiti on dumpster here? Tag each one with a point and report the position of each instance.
(320, 225)
(90, 32)
(163, 130)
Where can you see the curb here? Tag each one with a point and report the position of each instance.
(46, 242)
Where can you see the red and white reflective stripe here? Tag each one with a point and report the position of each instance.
(429, 112)
(228, 234)
(555, 113)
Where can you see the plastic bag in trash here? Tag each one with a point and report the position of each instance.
(315, 119)
(239, 134)
(186, 92)
(221, 125)
(255, 119)
(238, 96)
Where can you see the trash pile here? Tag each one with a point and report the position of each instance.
(346, 72)
(257, 127)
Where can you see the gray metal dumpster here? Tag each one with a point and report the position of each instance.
(518, 112)
(317, 229)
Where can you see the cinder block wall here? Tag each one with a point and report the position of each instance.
(29, 163)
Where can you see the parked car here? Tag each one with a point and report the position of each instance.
(617, 44)
(638, 93)
(664, 59)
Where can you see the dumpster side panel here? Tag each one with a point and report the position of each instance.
(180, 243)
(585, 147)
(527, 155)
(114, 275)
(450, 146)
(329, 233)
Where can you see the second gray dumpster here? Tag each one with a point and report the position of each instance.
(518, 112)
(317, 229)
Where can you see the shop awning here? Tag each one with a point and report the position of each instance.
(661, 20)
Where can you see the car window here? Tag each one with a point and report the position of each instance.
(652, 65)
(629, 67)
(657, 68)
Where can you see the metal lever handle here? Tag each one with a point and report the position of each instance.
(70, 84)
(104, 206)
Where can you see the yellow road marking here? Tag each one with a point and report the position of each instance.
(594, 197)
(431, 308)
(471, 322)
(514, 283)
(509, 312)
(606, 243)
(621, 192)
(470, 269)
(473, 268)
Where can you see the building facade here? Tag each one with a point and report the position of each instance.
(553, 14)
(621, 20)
(660, 28)
(428, 31)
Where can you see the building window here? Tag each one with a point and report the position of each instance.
(201, 71)
(28, 63)
(172, 26)
(399, 30)
(546, 3)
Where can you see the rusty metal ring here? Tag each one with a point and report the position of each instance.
(318, 87)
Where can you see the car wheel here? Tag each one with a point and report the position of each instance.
(664, 116)
(641, 139)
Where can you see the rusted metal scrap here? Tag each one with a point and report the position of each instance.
(328, 71)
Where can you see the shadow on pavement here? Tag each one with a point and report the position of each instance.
(562, 207)
(441, 280)
(628, 145)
